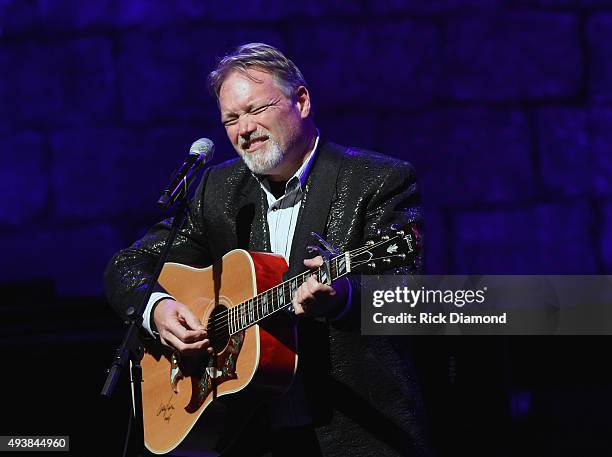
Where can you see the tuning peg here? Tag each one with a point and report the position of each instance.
(400, 233)
(384, 237)
(386, 260)
(370, 243)
(372, 265)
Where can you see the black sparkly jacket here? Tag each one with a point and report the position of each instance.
(363, 394)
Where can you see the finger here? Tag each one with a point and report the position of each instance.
(324, 290)
(176, 343)
(303, 293)
(312, 285)
(314, 262)
(185, 335)
(196, 347)
(191, 321)
(318, 289)
(298, 309)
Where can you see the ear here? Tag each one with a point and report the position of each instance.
(302, 101)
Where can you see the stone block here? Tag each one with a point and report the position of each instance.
(561, 4)
(348, 129)
(30, 87)
(73, 258)
(437, 255)
(513, 55)
(93, 171)
(543, 239)
(605, 238)
(24, 178)
(44, 16)
(431, 6)
(465, 156)
(163, 73)
(600, 62)
(565, 151)
(575, 147)
(159, 12)
(70, 82)
(386, 65)
(601, 144)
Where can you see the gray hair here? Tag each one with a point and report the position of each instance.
(261, 57)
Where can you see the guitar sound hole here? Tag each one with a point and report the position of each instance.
(218, 330)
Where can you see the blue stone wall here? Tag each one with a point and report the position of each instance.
(504, 108)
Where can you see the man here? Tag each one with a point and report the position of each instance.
(289, 183)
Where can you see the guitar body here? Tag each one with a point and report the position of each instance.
(199, 404)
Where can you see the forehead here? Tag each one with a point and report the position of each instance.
(239, 89)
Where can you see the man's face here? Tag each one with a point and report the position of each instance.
(263, 124)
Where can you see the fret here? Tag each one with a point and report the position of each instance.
(227, 322)
(293, 286)
(264, 300)
(340, 265)
(251, 317)
(281, 296)
(274, 300)
(286, 293)
(230, 329)
(251, 311)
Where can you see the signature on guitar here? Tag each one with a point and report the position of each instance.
(166, 409)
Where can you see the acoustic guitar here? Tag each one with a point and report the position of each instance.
(198, 404)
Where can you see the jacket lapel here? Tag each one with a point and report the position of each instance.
(251, 222)
(319, 194)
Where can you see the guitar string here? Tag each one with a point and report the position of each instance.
(221, 324)
(220, 320)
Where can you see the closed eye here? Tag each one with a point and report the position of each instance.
(261, 109)
(234, 120)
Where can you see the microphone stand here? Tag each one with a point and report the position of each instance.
(131, 346)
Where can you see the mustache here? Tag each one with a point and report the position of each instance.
(245, 142)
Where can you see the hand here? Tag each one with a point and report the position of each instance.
(313, 298)
(179, 329)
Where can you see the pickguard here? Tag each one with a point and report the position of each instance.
(216, 373)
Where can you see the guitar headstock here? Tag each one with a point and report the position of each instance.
(395, 248)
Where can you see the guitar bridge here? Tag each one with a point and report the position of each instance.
(213, 372)
(175, 373)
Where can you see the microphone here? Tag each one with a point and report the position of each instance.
(201, 152)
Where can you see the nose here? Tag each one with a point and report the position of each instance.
(246, 126)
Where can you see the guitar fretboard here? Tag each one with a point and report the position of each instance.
(263, 305)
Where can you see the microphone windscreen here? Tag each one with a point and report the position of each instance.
(203, 146)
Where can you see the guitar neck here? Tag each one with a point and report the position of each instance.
(398, 249)
(272, 300)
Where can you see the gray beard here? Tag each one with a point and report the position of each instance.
(265, 160)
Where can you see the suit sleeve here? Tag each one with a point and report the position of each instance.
(128, 272)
